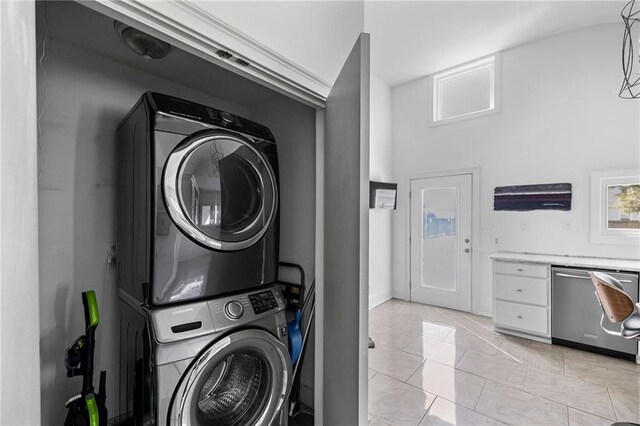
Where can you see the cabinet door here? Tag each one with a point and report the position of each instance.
(346, 235)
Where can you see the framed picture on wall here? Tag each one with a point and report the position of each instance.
(383, 195)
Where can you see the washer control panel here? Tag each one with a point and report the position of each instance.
(263, 302)
(233, 309)
(238, 309)
(189, 320)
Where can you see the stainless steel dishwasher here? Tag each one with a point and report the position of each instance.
(575, 313)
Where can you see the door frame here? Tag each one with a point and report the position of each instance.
(475, 226)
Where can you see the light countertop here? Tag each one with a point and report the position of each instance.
(575, 261)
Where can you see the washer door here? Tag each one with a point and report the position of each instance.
(242, 379)
(219, 190)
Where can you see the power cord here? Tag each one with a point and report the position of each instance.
(111, 258)
(44, 95)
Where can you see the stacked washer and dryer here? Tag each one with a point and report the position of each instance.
(203, 328)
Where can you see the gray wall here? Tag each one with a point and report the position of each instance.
(294, 129)
(87, 96)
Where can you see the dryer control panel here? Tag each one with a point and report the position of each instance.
(191, 110)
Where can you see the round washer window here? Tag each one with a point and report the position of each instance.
(240, 379)
(236, 390)
(219, 190)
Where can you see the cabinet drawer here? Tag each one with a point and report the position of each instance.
(522, 269)
(522, 289)
(532, 319)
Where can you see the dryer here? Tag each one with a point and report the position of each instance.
(198, 202)
(220, 362)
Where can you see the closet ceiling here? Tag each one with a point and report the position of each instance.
(82, 27)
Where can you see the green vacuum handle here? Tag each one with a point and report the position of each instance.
(92, 409)
(92, 317)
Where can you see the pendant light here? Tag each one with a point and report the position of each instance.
(631, 54)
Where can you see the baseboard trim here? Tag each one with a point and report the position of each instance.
(397, 294)
(379, 298)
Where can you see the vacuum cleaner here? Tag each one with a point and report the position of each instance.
(87, 408)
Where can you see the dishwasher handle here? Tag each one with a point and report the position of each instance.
(560, 274)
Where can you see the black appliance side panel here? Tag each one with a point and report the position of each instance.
(132, 132)
(141, 213)
(137, 376)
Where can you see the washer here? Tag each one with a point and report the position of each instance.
(198, 202)
(218, 362)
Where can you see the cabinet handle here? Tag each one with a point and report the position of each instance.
(520, 290)
(519, 269)
(560, 274)
(519, 316)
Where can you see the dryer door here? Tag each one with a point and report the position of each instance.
(241, 379)
(219, 190)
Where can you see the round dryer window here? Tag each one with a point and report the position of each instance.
(219, 190)
(243, 379)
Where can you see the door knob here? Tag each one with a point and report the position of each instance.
(467, 250)
(466, 240)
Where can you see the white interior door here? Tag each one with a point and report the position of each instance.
(346, 242)
(441, 241)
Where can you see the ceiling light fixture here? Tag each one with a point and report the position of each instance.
(141, 43)
(630, 57)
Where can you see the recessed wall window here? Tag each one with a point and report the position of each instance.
(615, 207)
(466, 91)
(623, 206)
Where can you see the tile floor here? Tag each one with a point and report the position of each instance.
(435, 366)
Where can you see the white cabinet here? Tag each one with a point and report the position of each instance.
(522, 299)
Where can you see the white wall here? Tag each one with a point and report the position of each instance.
(380, 170)
(561, 119)
(19, 316)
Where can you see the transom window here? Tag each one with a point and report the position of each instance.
(466, 91)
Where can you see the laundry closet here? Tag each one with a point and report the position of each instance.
(88, 80)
